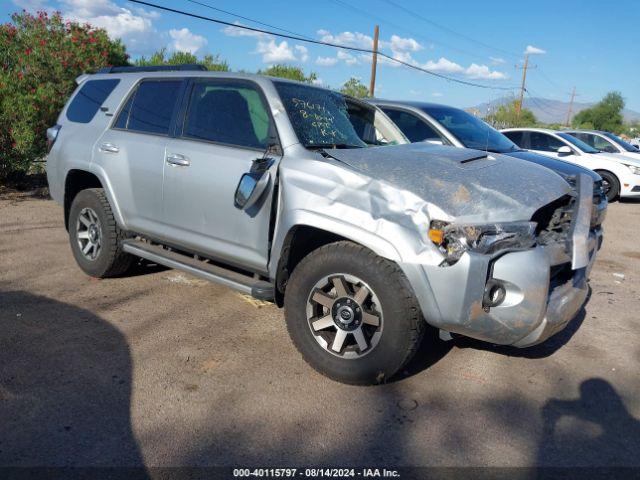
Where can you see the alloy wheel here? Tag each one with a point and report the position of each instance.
(344, 316)
(89, 233)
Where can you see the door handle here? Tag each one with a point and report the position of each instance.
(178, 160)
(109, 148)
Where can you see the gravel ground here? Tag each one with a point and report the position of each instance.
(162, 369)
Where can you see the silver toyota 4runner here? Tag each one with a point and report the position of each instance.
(287, 192)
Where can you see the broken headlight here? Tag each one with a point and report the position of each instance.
(453, 240)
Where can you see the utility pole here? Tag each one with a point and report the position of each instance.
(573, 96)
(522, 88)
(374, 61)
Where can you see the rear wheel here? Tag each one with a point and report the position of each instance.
(610, 184)
(351, 314)
(94, 236)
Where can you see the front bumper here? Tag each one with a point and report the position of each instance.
(630, 190)
(543, 294)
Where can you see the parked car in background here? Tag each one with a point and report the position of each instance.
(620, 176)
(266, 186)
(606, 142)
(441, 124)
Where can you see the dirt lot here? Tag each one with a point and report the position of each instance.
(163, 369)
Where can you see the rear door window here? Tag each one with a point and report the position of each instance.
(516, 137)
(227, 112)
(150, 108)
(89, 99)
(597, 142)
(543, 142)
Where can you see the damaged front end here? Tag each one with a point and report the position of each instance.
(517, 283)
(495, 250)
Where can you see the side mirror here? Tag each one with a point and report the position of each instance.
(434, 141)
(250, 188)
(565, 150)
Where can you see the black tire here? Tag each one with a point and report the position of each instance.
(110, 260)
(403, 324)
(613, 182)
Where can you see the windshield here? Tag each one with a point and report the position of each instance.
(586, 148)
(319, 117)
(471, 131)
(627, 146)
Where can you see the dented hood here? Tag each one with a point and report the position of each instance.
(466, 184)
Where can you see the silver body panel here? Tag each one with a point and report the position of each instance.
(383, 198)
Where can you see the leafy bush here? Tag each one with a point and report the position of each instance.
(604, 115)
(40, 57)
(212, 62)
(289, 71)
(355, 88)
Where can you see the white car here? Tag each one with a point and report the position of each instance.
(620, 175)
(606, 142)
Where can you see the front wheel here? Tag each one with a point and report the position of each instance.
(610, 184)
(352, 315)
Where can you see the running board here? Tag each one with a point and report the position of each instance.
(259, 289)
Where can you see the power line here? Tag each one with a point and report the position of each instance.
(450, 30)
(227, 12)
(384, 21)
(318, 42)
(537, 104)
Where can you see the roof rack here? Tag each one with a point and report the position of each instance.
(157, 68)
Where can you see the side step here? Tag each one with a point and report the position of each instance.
(259, 289)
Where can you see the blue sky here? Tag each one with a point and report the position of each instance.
(583, 43)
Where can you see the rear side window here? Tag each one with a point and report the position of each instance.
(150, 108)
(231, 113)
(516, 137)
(89, 99)
(414, 128)
(543, 142)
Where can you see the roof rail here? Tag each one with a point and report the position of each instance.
(156, 68)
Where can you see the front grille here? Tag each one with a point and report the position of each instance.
(554, 221)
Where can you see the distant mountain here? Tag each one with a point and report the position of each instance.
(549, 111)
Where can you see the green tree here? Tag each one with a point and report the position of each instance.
(355, 88)
(212, 62)
(40, 57)
(604, 115)
(506, 116)
(289, 71)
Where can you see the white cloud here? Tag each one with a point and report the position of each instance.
(274, 52)
(348, 39)
(483, 72)
(475, 71)
(402, 44)
(32, 5)
(347, 57)
(241, 32)
(303, 53)
(531, 50)
(185, 41)
(133, 26)
(443, 65)
(497, 60)
(437, 94)
(326, 61)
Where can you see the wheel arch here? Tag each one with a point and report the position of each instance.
(302, 238)
(78, 179)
